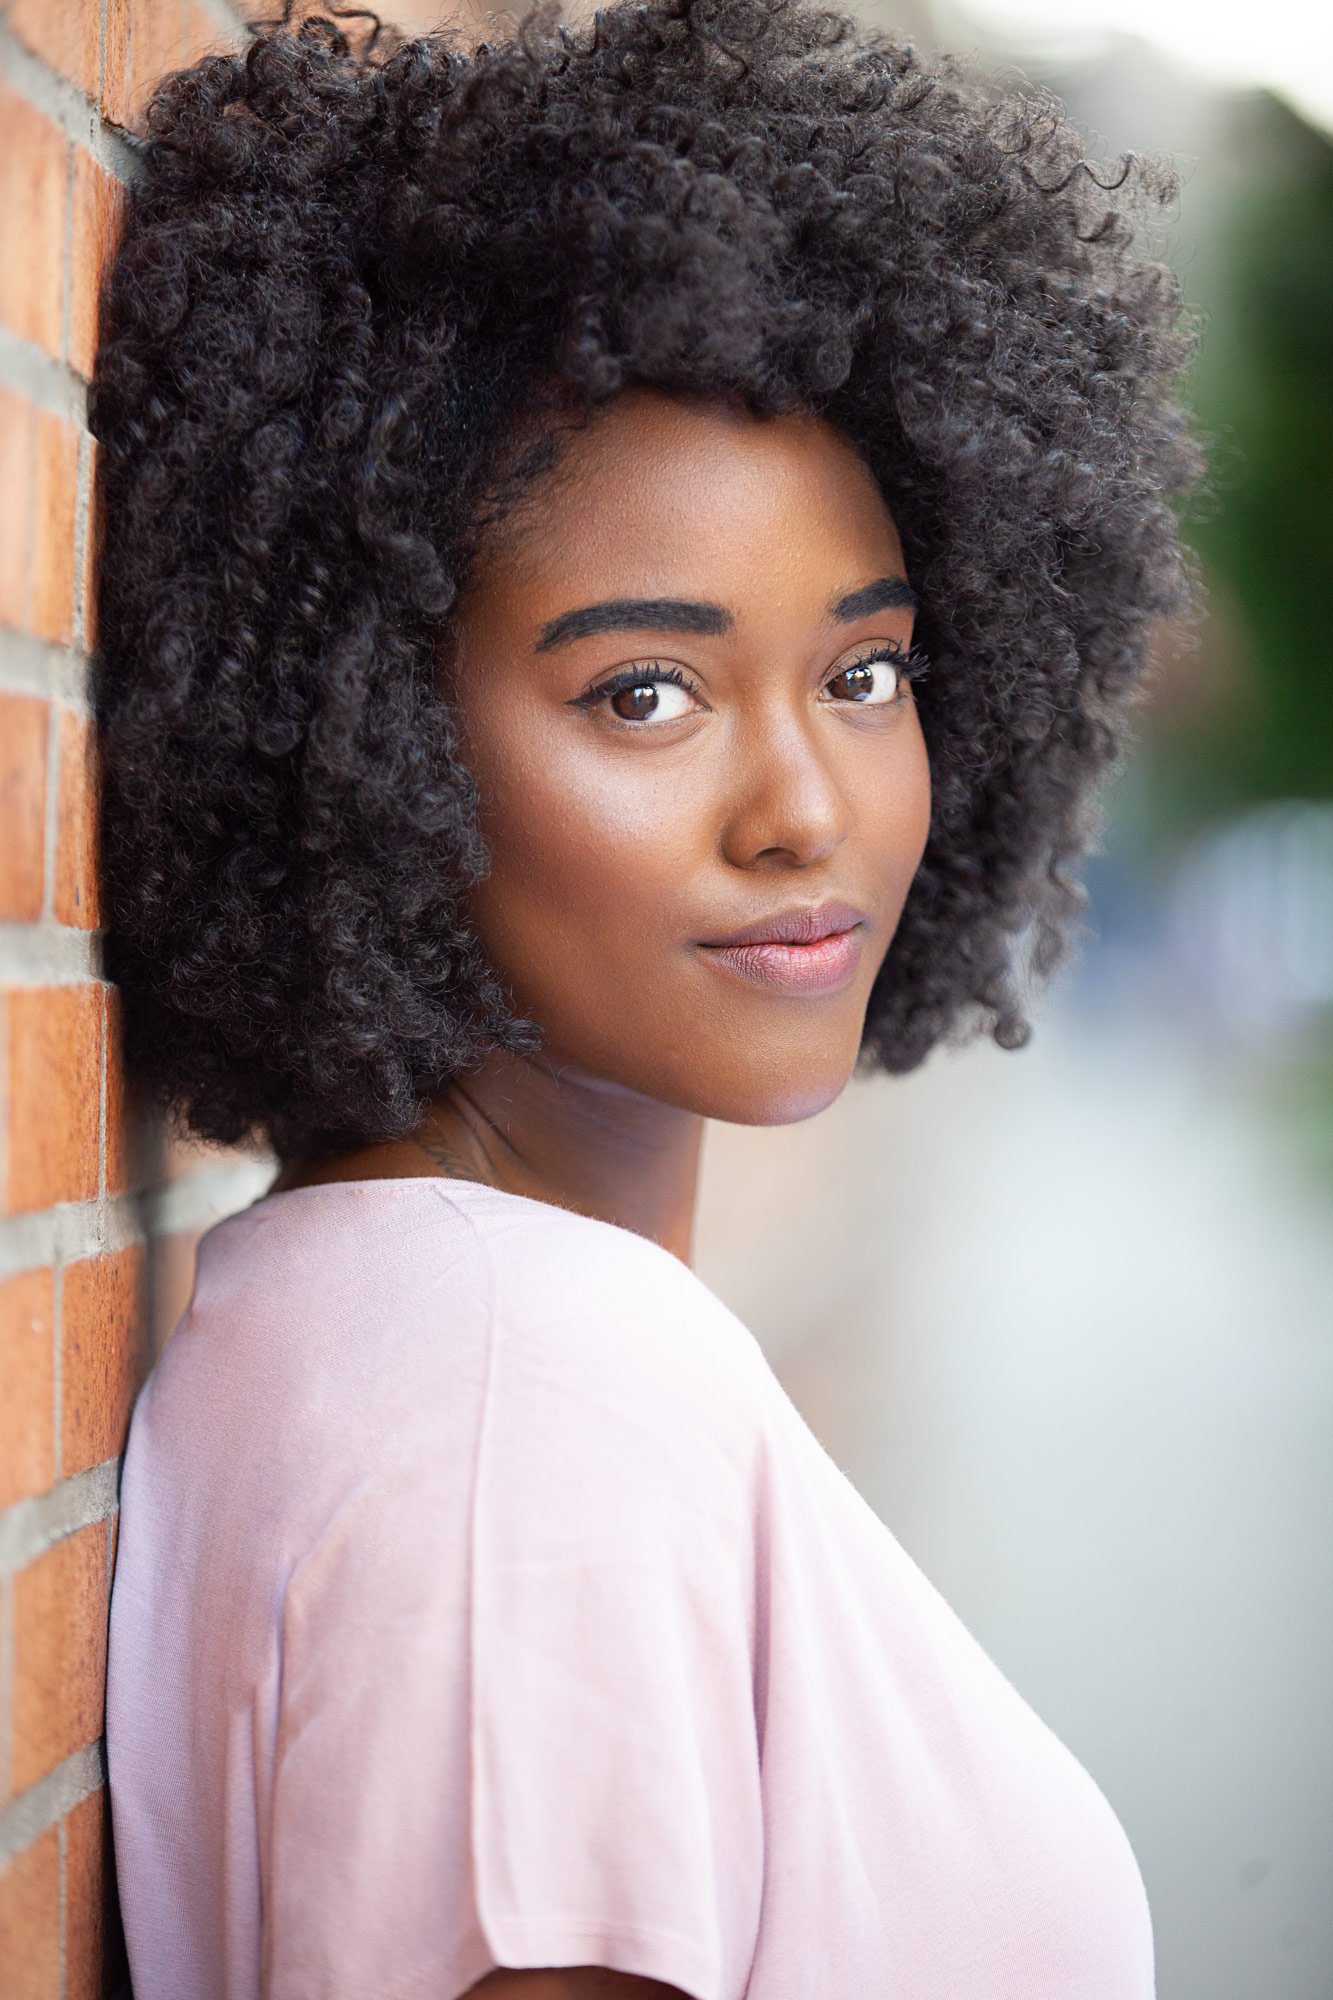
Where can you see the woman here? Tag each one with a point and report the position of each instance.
(628, 552)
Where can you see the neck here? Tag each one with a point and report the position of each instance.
(530, 1127)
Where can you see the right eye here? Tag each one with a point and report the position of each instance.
(644, 695)
(651, 701)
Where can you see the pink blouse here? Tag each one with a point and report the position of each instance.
(482, 1599)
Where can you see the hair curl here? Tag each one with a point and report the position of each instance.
(347, 273)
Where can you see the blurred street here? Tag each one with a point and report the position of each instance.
(1065, 1318)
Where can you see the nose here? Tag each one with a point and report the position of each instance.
(783, 804)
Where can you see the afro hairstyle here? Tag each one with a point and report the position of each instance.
(356, 267)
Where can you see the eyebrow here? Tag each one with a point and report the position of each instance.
(886, 593)
(683, 614)
(635, 614)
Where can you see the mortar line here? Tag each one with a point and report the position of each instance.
(29, 1527)
(29, 665)
(60, 99)
(48, 954)
(33, 1812)
(48, 385)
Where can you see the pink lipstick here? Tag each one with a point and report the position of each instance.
(810, 950)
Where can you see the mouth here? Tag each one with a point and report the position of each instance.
(809, 950)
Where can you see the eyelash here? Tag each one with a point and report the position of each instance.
(650, 674)
(913, 665)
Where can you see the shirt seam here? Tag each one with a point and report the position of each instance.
(484, 1426)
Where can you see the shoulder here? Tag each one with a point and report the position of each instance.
(524, 1659)
(533, 1266)
(588, 1316)
(428, 1346)
(604, 1412)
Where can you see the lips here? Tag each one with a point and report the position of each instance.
(811, 950)
(799, 926)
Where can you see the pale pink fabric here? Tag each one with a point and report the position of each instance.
(482, 1599)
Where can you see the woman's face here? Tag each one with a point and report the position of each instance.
(667, 681)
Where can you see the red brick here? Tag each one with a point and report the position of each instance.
(64, 33)
(98, 208)
(60, 1618)
(75, 896)
(103, 1354)
(144, 39)
(34, 156)
(173, 1282)
(30, 1921)
(27, 1385)
(23, 727)
(55, 483)
(17, 420)
(87, 638)
(115, 56)
(94, 1945)
(55, 1091)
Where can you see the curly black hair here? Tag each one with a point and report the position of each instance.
(356, 267)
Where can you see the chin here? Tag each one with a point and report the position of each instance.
(777, 1100)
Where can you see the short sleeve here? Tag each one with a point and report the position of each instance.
(518, 1713)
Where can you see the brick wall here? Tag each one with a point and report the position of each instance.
(98, 1214)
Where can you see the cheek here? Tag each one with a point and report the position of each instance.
(606, 865)
(590, 855)
(915, 799)
(910, 792)
(890, 800)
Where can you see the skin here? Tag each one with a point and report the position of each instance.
(577, 1982)
(623, 838)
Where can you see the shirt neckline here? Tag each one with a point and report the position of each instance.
(450, 1187)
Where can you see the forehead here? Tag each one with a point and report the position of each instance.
(664, 496)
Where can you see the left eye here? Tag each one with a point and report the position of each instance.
(872, 683)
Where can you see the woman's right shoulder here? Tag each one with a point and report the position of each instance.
(366, 1307)
(339, 1252)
